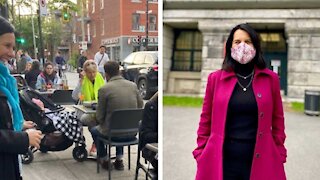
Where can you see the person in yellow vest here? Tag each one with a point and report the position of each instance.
(89, 83)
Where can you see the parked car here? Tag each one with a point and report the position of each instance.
(142, 68)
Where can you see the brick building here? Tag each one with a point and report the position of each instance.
(118, 24)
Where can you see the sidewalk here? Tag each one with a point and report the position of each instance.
(61, 166)
(180, 126)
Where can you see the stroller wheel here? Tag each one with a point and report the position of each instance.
(80, 153)
(28, 157)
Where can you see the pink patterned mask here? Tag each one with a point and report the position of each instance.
(243, 53)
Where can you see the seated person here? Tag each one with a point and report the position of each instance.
(32, 75)
(118, 93)
(48, 78)
(87, 88)
(149, 130)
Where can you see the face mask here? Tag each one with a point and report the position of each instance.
(243, 53)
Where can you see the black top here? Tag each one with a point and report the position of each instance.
(31, 77)
(81, 61)
(242, 118)
(149, 126)
(12, 143)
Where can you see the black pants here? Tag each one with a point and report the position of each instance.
(237, 159)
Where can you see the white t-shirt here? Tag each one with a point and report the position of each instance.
(100, 60)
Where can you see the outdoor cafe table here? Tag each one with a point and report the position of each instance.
(47, 92)
(83, 109)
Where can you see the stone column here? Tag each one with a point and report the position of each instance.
(215, 34)
(303, 56)
(168, 38)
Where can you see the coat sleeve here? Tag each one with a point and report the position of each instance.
(278, 133)
(13, 142)
(101, 107)
(149, 133)
(39, 82)
(139, 98)
(76, 91)
(205, 117)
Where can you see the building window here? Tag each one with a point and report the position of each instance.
(89, 33)
(102, 24)
(187, 51)
(116, 53)
(152, 22)
(135, 21)
(87, 10)
(93, 5)
(102, 4)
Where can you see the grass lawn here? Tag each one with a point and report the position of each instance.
(197, 102)
(182, 101)
(297, 106)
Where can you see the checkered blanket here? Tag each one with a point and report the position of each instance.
(67, 123)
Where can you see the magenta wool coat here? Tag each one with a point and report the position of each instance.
(269, 153)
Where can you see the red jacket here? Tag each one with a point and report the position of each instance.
(269, 153)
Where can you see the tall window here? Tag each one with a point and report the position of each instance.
(93, 5)
(88, 33)
(187, 51)
(152, 22)
(102, 24)
(101, 4)
(135, 21)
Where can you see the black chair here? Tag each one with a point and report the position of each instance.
(21, 82)
(124, 122)
(62, 97)
(150, 173)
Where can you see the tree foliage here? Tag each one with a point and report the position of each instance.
(51, 24)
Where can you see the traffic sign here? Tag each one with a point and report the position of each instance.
(43, 7)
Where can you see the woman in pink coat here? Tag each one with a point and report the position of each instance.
(241, 131)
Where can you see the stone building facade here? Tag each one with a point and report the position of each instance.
(290, 34)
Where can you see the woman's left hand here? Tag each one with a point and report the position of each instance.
(28, 124)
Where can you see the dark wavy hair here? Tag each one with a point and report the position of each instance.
(6, 27)
(35, 65)
(258, 60)
(47, 76)
(111, 68)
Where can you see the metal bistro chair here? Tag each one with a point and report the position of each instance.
(62, 97)
(124, 121)
(150, 173)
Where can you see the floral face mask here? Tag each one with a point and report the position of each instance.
(243, 53)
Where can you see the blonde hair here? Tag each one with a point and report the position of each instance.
(90, 65)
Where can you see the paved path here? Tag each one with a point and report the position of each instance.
(61, 166)
(180, 125)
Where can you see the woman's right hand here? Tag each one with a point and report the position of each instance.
(35, 137)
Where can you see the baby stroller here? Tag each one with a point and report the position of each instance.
(53, 140)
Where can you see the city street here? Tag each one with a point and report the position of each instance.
(180, 126)
(61, 165)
